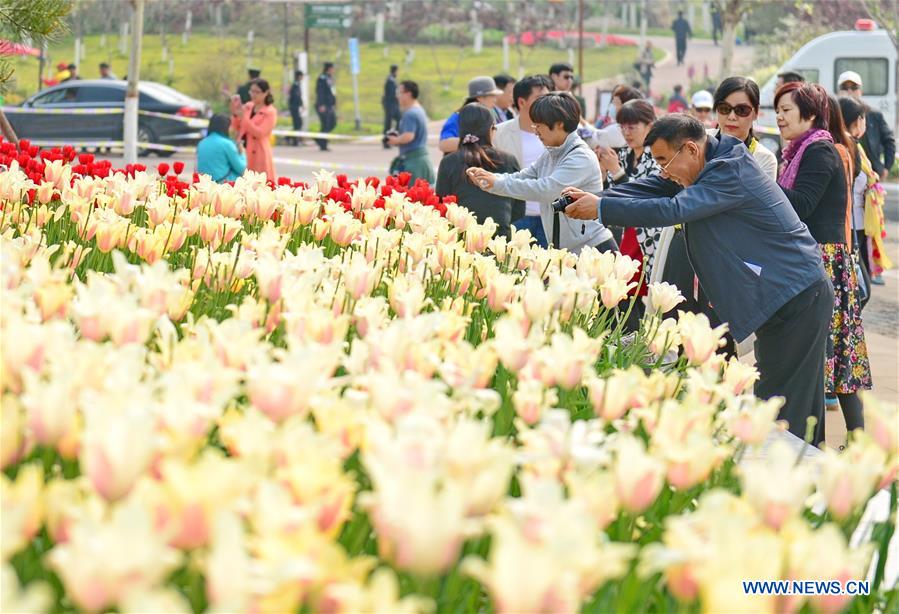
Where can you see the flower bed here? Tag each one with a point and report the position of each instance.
(350, 396)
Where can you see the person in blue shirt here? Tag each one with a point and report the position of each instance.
(480, 89)
(218, 155)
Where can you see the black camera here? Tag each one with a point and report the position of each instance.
(561, 203)
(392, 133)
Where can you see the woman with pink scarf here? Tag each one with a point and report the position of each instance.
(814, 180)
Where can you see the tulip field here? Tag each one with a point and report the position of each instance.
(349, 396)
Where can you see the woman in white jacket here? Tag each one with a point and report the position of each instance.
(567, 161)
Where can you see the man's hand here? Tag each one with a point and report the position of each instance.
(585, 205)
(321, 108)
(393, 139)
(481, 178)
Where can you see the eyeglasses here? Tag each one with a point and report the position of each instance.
(664, 167)
(852, 87)
(630, 127)
(702, 110)
(742, 110)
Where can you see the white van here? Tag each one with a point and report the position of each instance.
(867, 50)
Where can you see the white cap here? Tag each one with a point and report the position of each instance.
(851, 76)
(703, 100)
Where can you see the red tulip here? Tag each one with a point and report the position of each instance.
(163, 169)
(178, 166)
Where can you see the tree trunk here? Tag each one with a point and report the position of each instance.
(9, 135)
(728, 41)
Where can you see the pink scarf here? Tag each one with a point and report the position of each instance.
(795, 150)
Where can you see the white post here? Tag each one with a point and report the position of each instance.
(632, 15)
(505, 54)
(706, 18)
(131, 96)
(643, 20)
(165, 53)
(303, 64)
(123, 38)
(188, 22)
(77, 55)
(249, 48)
(691, 14)
(478, 41)
(571, 57)
(379, 28)
(103, 41)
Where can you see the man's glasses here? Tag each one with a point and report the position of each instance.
(742, 110)
(702, 110)
(854, 87)
(664, 167)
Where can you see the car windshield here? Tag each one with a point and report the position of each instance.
(164, 93)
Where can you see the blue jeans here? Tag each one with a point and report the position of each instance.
(534, 224)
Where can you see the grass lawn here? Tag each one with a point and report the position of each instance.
(207, 63)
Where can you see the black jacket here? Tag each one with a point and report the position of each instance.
(324, 92)
(451, 179)
(681, 29)
(389, 101)
(748, 247)
(819, 194)
(879, 142)
(295, 97)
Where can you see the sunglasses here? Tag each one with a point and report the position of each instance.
(702, 110)
(742, 110)
(852, 87)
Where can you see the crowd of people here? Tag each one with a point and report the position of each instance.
(781, 251)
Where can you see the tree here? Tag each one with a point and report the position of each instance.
(886, 14)
(732, 12)
(34, 20)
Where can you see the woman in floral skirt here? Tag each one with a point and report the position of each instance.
(814, 179)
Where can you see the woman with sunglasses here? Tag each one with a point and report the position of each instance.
(737, 107)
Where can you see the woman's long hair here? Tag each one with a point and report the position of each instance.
(475, 137)
(837, 128)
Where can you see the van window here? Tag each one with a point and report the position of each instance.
(875, 73)
(811, 75)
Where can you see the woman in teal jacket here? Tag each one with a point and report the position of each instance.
(217, 155)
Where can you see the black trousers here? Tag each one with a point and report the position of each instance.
(297, 123)
(391, 118)
(681, 51)
(328, 120)
(789, 352)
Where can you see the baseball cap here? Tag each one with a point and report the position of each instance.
(851, 76)
(483, 86)
(702, 100)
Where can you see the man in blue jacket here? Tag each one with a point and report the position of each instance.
(756, 261)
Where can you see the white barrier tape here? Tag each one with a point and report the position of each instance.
(200, 122)
(40, 111)
(116, 144)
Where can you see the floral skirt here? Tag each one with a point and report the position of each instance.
(847, 368)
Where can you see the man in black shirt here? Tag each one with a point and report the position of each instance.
(878, 142)
(390, 104)
(682, 31)
(244, 90)
(295, 103)
(326, 102)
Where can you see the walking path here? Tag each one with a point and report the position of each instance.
(702, 54)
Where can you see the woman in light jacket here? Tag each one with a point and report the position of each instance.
(254, 123)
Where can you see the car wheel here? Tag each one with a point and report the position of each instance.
(145, 135)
